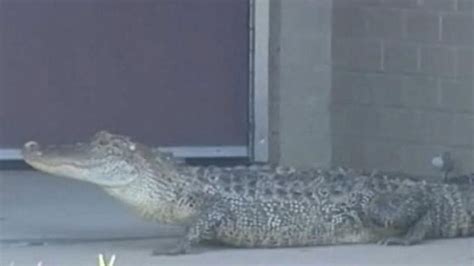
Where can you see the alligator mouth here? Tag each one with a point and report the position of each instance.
(55, 157)
(81, 161)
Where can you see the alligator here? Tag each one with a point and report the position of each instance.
(260, 205)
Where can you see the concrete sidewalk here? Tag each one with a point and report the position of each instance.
(64, 222)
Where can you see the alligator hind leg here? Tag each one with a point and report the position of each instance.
(404, 215)
(414, 235)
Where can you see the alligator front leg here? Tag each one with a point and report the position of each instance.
(183, 247)
(201, 229)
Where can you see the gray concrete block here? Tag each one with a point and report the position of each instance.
(305, 17)
(339, 118)
(439, 5)
(422, 26)
(420, 92)
(465, 62)
(348, 151)
(396, 124)
(438, 61)
(305, 86)
(383, 155)
(463, 158)
(364, 55)
(463, 130)
(458, 28)
(457, 95)
(306, 152)
(350, 87)
(357, 3)
(304, 140)
(402, 3)
(400, 57)
(349, 22)
(386, 90)
(303, 120)
(465, 5)
(433, 127)
(305, 50)
(354, 120)
(323, 18)
(384, 23)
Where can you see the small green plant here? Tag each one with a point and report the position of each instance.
(103, 261)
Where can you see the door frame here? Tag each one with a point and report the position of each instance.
(259, 80)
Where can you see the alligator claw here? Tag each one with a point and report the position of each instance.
(177, 250)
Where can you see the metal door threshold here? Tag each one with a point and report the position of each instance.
(178, 151)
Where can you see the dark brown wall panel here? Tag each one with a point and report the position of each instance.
(165, 72)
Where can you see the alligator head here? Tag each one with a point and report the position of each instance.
(108, 160)
(144, 179)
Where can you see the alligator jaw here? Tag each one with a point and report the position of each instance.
(71, 161)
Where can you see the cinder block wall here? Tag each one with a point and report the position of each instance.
(402, 83)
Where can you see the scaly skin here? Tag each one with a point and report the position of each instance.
(262, 206)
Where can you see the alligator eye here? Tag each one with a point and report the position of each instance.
(132, 147)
